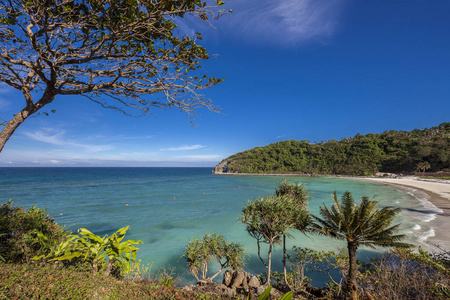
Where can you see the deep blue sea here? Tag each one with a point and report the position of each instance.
(168, 207)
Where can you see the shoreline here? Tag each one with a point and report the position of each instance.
(437, 192)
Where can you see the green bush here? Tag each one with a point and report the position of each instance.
(19, 229)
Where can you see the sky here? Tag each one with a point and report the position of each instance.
(294, 69)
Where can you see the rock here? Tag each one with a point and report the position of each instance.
(245, 283)
(260, 290)
(227, 278)
(238, 279)
(229, 292)
(221, 167)
(253, 282)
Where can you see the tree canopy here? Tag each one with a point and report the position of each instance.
(122, 54)
(390, 151)
(358, 224)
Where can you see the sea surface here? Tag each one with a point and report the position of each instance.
(168, 207)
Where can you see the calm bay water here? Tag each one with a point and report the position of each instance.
(168, 207)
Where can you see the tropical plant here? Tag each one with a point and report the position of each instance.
(54, 249)
(265, 220)
(266, 295)
(94, 249)
(296, 213)
(361, 224)
(423, 166)
(213, 247)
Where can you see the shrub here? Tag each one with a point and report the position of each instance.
(19, 229)
(404, 274)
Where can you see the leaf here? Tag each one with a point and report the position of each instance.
(266, 294)
(69, 256)
(287, 296)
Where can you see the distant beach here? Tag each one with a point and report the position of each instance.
(438, 193)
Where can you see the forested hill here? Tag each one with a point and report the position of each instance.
(390, 151)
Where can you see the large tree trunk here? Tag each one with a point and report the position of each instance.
(12, 125)
(19, 118)
(351, 288)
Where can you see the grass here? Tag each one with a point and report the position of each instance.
(43, 281)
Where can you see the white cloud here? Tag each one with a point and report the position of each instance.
(57, 138)
(184, 148)
(284, 21)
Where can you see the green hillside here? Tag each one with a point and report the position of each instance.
(390, 151)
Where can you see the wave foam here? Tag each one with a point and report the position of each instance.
(425, 235)
(425, 217)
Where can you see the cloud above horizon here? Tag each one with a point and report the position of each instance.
(184, 148)
(284, 21)
(58, 138)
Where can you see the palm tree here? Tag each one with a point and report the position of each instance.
(298, 216)
(361, 224)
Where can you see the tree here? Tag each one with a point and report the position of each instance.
(298, 216)
(213, 247)
(422, 166)
(121, 54)
(265, 220)
(361, 224)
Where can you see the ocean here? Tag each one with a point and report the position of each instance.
(168, 207)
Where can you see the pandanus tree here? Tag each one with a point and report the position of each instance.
(263, 222)
(213, 247)
(362, 224)
(296, 215)
(268, 219)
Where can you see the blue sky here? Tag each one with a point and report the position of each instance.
(303, 69)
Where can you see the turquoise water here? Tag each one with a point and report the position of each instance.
(168, 207)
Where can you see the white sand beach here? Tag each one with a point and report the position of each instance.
(439, 195)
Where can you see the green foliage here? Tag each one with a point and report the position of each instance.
(166, 280)
(266, 295)
(20, 232)
(126, 55)
(271, 218)
(94, 249)
(390, 151)
(436, 262)
(361, 224)
(405, 274)
(305, 261)
(213, 247)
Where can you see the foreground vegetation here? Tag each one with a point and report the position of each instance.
(42, 260)
(390, 151)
